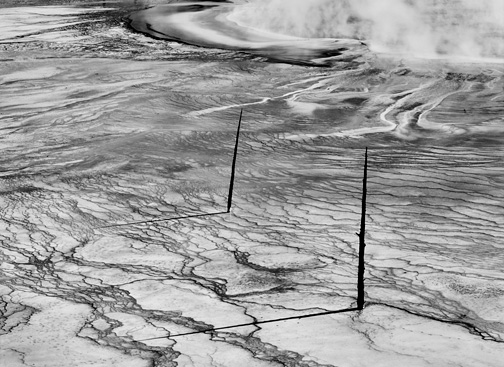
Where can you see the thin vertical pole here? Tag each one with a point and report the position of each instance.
(362, 244)
(233, 166)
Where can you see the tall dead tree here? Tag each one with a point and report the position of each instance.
(362, 244)
(233, 165)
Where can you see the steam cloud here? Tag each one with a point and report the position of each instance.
(467, 28)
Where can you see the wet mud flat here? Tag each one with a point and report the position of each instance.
(98, 136)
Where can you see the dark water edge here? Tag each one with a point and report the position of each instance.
(118, 4)
(193, 23)
(104, 33)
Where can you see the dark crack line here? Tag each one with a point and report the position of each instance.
(254, 323)
(472, 328)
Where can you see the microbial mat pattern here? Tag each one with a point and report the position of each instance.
(102, 125)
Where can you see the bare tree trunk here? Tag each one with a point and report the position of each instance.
(362, 244)
(233, 166)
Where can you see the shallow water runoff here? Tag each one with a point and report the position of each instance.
(119, 115)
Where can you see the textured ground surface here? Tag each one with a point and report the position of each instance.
(103, 126)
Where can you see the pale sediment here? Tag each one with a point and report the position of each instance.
(88, 142)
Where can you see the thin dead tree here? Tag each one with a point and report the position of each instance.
(362, 244)
(233, 166)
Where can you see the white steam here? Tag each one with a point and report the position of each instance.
(469, 28)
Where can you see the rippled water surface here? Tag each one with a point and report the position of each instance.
(103, 125)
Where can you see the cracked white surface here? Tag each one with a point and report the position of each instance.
(89, 141)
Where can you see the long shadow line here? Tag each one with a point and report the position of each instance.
(254, 323)
(230, 192)
(162, 220)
